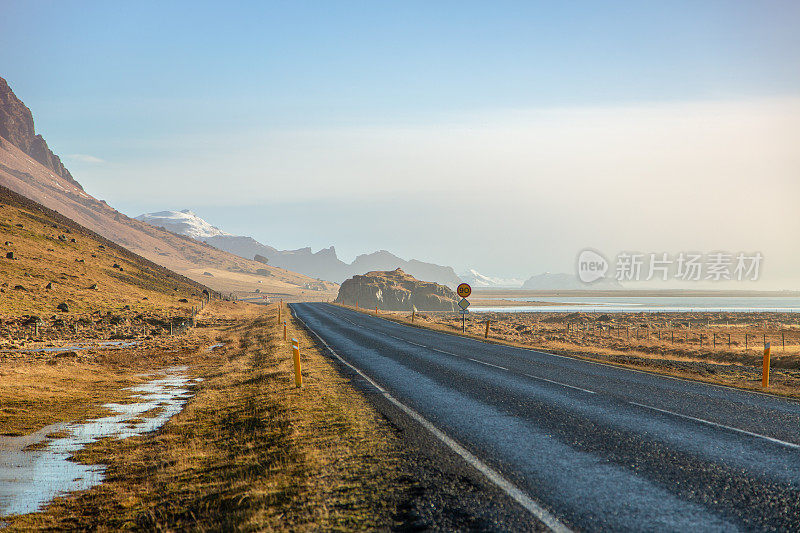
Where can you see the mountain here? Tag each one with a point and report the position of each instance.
(383, 260)
(548, 281)
(16, 126)
(324, 264)
(45, 181)
(184, 222)
(476, 279)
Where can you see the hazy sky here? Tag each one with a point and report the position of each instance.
(500, 136)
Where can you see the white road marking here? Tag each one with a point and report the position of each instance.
(723, 426)
(559, 383)
(487, 364)
(492, 475)
(444, 352)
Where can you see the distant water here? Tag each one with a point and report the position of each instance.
(650, 304)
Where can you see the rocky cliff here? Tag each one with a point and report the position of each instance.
(16, 126)
(395, 290)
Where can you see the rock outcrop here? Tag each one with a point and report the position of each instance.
(394, 290)
(16, 126)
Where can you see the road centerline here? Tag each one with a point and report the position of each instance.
(717, 424)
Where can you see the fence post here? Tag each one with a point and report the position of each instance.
(298, 377)
(284, 330)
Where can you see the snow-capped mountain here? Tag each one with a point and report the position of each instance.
(182, 222)
(476, 279)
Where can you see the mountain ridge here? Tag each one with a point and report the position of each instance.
(322, 264)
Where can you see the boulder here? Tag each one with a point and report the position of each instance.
(394, 290)
(63, 307)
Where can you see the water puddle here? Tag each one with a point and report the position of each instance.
(35, 469)
(75, 348)
(214, 347)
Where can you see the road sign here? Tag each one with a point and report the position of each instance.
(463, 304)
(464, 290)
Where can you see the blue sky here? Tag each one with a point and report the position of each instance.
(428, 116)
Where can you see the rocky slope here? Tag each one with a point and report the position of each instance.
(16, 126)
(23, 173)
(396, 291)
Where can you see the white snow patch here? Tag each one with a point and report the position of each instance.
(182, 222)
(476, 279)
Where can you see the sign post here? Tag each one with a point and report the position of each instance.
(463, 290)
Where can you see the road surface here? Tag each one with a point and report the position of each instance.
(580, 445)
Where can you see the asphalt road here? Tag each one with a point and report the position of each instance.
(581, 445)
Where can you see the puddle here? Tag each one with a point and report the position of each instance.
(213, 347)
(75, 348)
(29, 479)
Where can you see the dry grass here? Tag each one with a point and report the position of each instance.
(249, 451)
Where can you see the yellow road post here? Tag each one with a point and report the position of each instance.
(765, 371)
(298, 377)
(486, 335)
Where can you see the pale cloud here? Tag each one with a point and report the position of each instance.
(85, 158)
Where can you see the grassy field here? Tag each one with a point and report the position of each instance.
(249, 452)
(688, 345)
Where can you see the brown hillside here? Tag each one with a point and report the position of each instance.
(24, 174)
(63, 273)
